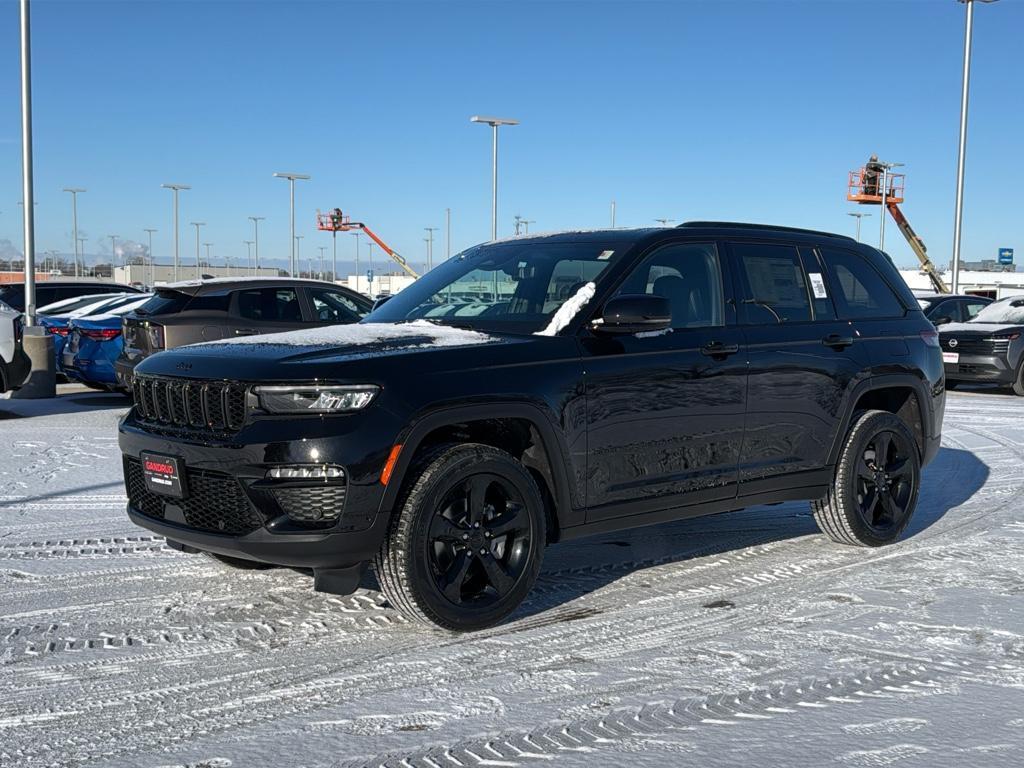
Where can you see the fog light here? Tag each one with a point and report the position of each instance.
(299, 472)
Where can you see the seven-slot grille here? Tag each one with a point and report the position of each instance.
(216, 406)
(976, 345)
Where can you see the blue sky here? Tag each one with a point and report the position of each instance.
(686, 110)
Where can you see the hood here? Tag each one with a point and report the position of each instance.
(977, 329)
(318, 352)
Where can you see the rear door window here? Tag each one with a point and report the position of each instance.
(775, 287)
(860, 290)
(971, 308)
(270, 305)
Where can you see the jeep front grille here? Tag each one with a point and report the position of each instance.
(190, 404)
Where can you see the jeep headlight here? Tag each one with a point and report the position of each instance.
(315, 398)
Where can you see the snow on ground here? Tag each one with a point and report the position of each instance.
(745, 638)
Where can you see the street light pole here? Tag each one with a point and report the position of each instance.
(298, 254)
(430, 247)
(886, 181)
(665, 222)
(28, 214)
(858, 216)
(494, 122)
(256, 239)
(958, 214)
(209, 263)
(113, 253)
(74, 220)
(613, 214)
(356, 236)
(152, 261)
(81, 245)
(291, 185)
(175, 188)
(321, 248)
(197, 225)
(447, 233)
(248, 250)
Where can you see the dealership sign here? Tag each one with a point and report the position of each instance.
(1006, 255)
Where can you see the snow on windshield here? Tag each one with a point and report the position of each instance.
(360, 334)
(568, 310)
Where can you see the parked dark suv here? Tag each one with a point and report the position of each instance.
(207, 310)
(540, 389)
(50, 291)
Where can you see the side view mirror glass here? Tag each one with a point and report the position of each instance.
(635, 313)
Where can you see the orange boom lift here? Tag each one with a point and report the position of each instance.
(875, 188)
(335, 221)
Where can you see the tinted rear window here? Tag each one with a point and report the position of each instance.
(172, 302)
(861, 290)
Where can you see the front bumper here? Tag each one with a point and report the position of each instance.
(228, 478)
(981, 368)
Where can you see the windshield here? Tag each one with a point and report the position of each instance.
(1008, 311)
(513, 287)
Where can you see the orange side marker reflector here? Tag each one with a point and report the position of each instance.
(389, 465)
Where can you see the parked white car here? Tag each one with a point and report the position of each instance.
(14, 364)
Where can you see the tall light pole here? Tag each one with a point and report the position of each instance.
(858, 216)
(175, 188)
(197, 225)
(665, 222)
(74, 219)
(152, 261)
(208, 262)
(81, 246)
(430, 246)
(356, 236)
(291, 188)
(321, 248)
(613, 214)
(248, 250)
(369, 280)
(958, 215)
(28, 212)
(447, 233)
(256, 238)
(494, 122)
(297, 241)
(526, 225)
(113, 254)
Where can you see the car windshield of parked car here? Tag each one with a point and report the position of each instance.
(1006, 312)
(512, 287)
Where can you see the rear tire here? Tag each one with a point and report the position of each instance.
(877, 480)
(466, 539)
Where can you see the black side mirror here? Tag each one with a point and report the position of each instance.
(635, 313)
(944, 320)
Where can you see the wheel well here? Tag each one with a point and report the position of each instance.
(901, 401)
(518, 437)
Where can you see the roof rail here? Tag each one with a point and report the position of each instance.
(773, 227)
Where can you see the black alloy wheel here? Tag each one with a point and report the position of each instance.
(886, 481)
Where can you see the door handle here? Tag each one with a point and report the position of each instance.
(718, 349)
(837, 341)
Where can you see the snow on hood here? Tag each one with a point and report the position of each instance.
(568, 310)
(363, 334)
(978, 328)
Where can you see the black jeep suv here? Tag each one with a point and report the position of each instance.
(539, 389)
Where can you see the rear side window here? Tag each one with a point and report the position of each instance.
(775, 285)
(172, 302)
(860, 290)
(270, 305)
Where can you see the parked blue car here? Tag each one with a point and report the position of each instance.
(93, 344)
(57, 322)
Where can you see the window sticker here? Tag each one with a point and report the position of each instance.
(818, 285)
(605, 255)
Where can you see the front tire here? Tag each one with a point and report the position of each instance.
(878, 477)
(1018, 384)
(467, 539)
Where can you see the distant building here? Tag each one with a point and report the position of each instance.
(162, 274)
(994, 284)
(985, 265)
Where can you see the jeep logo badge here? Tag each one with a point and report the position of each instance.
(184, 366)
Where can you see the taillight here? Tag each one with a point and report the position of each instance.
(930, 338)
(57, 331)
(100, 334)
(156, 336)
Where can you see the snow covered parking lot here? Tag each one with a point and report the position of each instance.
(741, 638)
